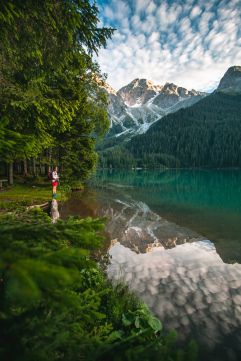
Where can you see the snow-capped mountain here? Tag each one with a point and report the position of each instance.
(136, 106)
(138, 92)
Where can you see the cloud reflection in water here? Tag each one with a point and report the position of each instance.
(190, 288)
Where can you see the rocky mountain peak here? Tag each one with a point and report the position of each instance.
(138, 92)
(231, 79)
(171, 88)
(107, 87)
(145, 83)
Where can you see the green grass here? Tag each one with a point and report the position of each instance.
(25, 194)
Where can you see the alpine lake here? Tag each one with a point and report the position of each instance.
(175, 240)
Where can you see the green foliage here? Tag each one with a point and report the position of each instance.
(55, 300)
(141, 319)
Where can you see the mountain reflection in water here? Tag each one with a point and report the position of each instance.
(174, 269)
(178, 274)
(134, 225)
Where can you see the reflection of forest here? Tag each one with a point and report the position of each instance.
(211, 188)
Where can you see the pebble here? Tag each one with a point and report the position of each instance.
(237, 300)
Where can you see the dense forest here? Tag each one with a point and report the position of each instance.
(208, 134)
(52, 108)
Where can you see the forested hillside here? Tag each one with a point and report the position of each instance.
(208, 134)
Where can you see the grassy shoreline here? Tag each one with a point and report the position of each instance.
(24, 194)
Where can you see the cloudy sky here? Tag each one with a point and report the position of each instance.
(188, 42)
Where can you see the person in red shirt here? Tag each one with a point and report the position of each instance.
(55, 181)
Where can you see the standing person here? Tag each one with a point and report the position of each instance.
(55, 181)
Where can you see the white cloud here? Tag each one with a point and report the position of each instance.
(153, 37)
(185, 27)
(141, 5)
(204, 23)
(109, 13)
(167, 16)
(151, 8)
(196, 11)
(191, 44)
(135, 21)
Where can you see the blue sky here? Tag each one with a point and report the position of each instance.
(188, 42)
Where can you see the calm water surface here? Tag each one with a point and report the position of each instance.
(175, 239)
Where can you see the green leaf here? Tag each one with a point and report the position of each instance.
(115, 335)
(137, 322)
(125, 320)
(155, 324)
(21, 289)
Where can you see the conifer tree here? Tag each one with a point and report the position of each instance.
(47, 74)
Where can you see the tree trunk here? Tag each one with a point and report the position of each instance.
(47, 168)
(10, 173)
(6, 168)
(25, 167)
(34, 167)
(19, 167)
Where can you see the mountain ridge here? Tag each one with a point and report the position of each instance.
(136, 106)
(231, 80)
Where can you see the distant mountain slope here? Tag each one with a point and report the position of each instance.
(206, 134)
(135, 107)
